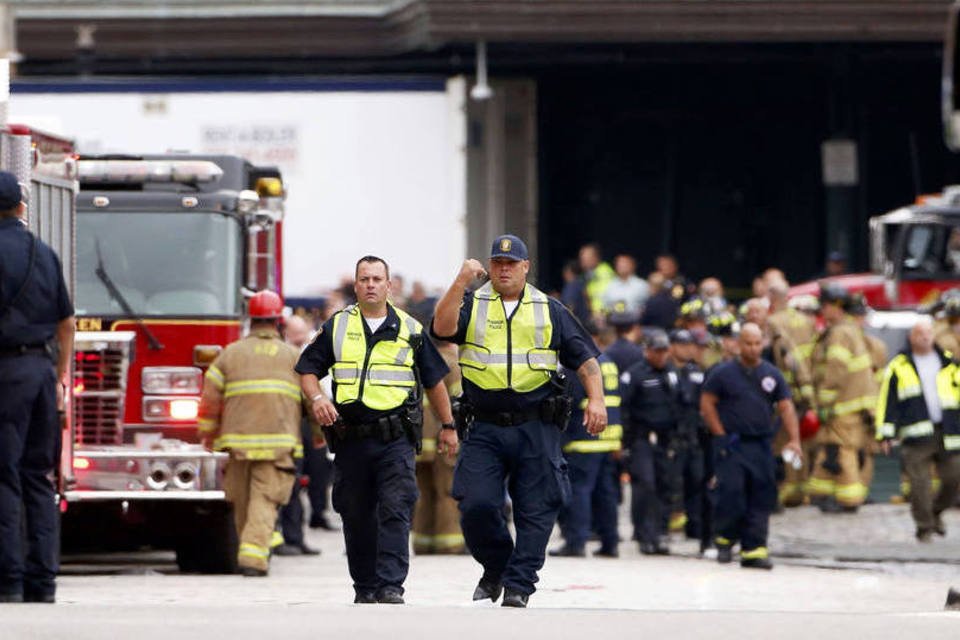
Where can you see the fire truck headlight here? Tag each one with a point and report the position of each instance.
(159, 409)
(247, 201)
(171, 380)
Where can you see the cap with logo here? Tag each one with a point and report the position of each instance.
(657, 339)
(623, 318)
(510, 247)
(681, 336)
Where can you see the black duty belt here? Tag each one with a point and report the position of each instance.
(386, 428)
(23, 350)
(508, 418)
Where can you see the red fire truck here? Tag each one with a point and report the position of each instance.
(914, 255)
(167, 249)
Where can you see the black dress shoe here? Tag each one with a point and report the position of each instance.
(287, 550)
(953, 600)
(365, 597)
(487, 590)
(320, 521)
(756, 563)
(11, 597)
(41, 597)
(308, 551)
(568, 552)
(251, 572)
(658, 548)
(606, 553)
(390, 595)
(514, 599)
(724, 553)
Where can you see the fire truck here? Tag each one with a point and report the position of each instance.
(167, 249)
(914, 255)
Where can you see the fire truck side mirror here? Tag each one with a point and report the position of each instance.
(950, 80)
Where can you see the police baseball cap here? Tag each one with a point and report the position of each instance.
(11, 194)
(623, 318)
(510, 247)
(657, 340)
(681, 336)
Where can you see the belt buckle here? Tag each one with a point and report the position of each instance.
(505, 419)
(22, 349)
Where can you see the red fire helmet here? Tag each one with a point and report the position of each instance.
(265, 305)
(809, 424)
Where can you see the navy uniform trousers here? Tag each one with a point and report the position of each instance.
(745, 491)
(650, 468)
(593, 501)
(29, 446)
(527, 458)
(374, 491)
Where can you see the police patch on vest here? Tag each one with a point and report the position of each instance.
(768, 384)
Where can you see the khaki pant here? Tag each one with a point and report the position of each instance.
(870, 449)
(917, 459)
(436, 518)
(256, 489)
(836, 469)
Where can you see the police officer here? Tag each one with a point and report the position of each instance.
(686, 443)
(625, 351)
(378, 358)
(737, 402)
(651, 391)
(513, 338)
(251, 407)
(35, 311)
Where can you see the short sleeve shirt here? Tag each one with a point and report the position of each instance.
(745, 397)
(33, 320)
(318, 358)
(570, 340)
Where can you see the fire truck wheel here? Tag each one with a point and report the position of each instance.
(212, 546)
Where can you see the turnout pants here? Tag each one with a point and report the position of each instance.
(918, 458)
(593, 500)
(527, 458)
(436, 520)
(257, 488)
(29, 448)
(836, 469)
(651, 474)
(746, 493)
(374, 491)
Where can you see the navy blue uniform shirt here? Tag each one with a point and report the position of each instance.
(624, 353)
(745, 397)
(318, 357)
(650, 399)
(45, 301)
(569, 339)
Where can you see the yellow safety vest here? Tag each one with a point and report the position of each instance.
(509, 353)
(909, 418)
(381, 377)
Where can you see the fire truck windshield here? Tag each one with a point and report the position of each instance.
(162, 264)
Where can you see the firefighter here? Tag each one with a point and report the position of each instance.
(919, 405)
(251, 408)
(947, 330)
(724, 328)
(513, 338)
(845, 392)
(436, 520)
(737, 403)
(689, 465)
(378, 358)
(593, 494)
(878, 361)
(651, 392)
(35, 313)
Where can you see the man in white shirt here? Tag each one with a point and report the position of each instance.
(627, 293)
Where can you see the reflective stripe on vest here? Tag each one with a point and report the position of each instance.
(389, 376)
(265, 385)
(509, 354)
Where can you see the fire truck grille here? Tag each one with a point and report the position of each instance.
(99, 386)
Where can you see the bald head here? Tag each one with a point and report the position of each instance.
(921, 336)
(751, 344)
(296, 331)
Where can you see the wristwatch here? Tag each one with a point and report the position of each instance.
(448, 426)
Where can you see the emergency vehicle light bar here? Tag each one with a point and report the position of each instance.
(144, 171)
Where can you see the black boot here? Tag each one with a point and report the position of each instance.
(487, 590)
(953, 600)
(724, 553)
(390, 595)
(514, 599)
(568, 552)
(365, 597)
